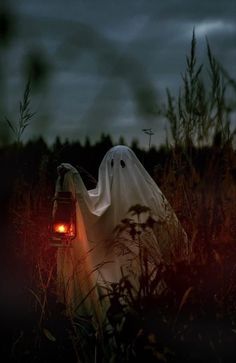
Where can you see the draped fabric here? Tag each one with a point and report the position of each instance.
(76, 284)
(125, 196)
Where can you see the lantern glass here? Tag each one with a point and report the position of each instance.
(64, 217)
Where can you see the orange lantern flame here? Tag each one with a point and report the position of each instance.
(60, 228)
(64, 229)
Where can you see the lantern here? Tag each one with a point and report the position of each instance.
(63, 228)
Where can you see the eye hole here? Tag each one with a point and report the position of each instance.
(112, 163)
(122, 163)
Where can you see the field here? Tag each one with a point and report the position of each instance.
(193, 316)
(191, 319)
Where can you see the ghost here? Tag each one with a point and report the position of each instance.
(125, 213)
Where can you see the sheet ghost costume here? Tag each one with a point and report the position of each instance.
(122, 183)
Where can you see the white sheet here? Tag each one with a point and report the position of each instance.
(122, 183)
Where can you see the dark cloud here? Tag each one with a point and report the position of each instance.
(109, 58)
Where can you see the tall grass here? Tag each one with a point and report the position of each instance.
(25, 115)
(178, 311)
(201, 113)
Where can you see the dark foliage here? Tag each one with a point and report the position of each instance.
(191, 319)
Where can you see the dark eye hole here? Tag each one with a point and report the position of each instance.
(112, 163)
(122, 163)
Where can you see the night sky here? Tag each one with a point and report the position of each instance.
(98, 54)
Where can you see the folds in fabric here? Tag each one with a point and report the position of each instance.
(122, 184)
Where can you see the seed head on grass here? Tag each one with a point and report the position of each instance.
(24, 117)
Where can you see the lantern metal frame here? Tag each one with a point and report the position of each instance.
(64, 214)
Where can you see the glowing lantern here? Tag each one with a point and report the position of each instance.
(64, 218)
